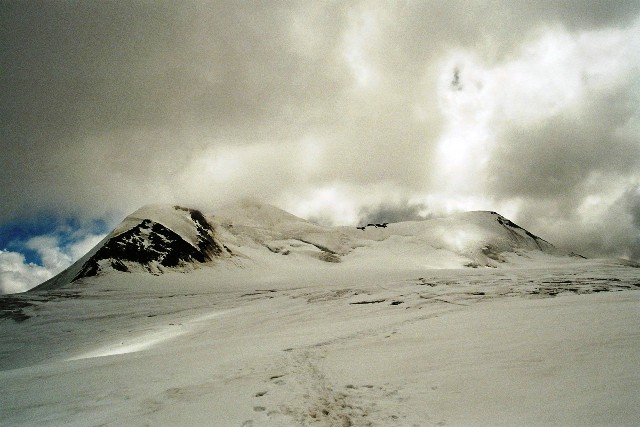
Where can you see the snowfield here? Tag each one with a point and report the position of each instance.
(390, 330)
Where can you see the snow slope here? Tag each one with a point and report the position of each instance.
(294, 324)
(555, 345)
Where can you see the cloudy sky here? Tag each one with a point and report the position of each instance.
(335, 111)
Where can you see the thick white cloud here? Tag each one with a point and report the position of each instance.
(16, 275)
(328, 109)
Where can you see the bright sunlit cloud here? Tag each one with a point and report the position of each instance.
(466, 99)
(18, 275)
(552, 74)
(363, 31)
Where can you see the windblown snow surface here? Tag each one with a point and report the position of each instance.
(302, 325)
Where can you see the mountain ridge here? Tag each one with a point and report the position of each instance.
(160, 238)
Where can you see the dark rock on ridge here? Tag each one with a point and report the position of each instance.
(151, 243)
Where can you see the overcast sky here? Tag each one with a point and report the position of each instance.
(335, 111)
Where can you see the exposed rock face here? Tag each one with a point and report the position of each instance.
(207, 244)
(151, 245)
(516, 231)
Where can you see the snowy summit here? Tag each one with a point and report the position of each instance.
(161, 238)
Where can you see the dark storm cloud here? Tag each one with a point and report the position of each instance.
(611, 229)
(577, 14)
(631, 201)
(98, 93)
(633, 204)
(554, 158)
(108, 105)
(117, 65)
(393, 213)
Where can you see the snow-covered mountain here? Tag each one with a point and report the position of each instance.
(153, 239)
(160, 238)
(250, 316)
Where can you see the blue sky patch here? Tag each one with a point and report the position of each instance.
(16, 233)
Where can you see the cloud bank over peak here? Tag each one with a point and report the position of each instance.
(329, 110)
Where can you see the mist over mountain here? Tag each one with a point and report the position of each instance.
(161, 238)
(325, 109)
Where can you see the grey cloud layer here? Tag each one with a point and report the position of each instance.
(555, 157)
(108, 105)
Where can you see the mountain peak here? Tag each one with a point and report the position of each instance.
(161, 238)
(153, 239)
